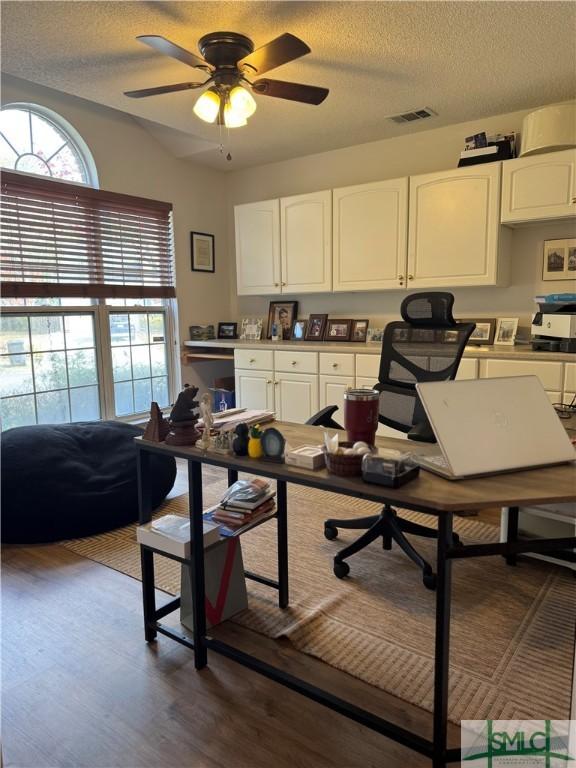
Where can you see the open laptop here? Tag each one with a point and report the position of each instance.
(490, 426)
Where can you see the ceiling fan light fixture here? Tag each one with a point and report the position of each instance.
(242, 101)
(233, 118)
(208, 106)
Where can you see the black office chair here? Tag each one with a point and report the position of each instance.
(427, 345)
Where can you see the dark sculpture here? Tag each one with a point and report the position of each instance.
(157, 428)
(240, 443)
(183, 418)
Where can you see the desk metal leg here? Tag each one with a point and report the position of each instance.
(146, 557)
(198, 581)
(512, 532)
(442, 643)
(232, 476)
(282, 519)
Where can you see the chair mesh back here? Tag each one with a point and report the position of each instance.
(426, 345)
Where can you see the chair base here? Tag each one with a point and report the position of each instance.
(392, 529)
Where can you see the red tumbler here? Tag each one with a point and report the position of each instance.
(361, 415)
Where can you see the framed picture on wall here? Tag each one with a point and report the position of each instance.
(559, 261)
(202, 252)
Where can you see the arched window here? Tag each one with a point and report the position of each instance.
(36, 140)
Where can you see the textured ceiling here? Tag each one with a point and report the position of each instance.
(466, 60)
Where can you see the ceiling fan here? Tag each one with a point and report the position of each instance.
(228, 59)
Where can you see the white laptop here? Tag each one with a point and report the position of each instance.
(489, 426)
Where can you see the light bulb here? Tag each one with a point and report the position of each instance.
(242, 101)
(207, 106)
(232, 117)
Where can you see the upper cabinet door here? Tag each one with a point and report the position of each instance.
(454, 227)
(258, 247)
(306, 243)
(370, 236)
(539, 187)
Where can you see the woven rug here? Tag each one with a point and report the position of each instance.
(512, 637)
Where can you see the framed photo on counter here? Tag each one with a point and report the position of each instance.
(202, 247)
(338, 330)
(227, 330)
(299, 330)
(315, 328)
(359, 330)
(506, 328)
(282, 314)
(484, 331)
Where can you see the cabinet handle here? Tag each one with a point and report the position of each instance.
(276, 285)
(283, 283)
(268, 381)
(252, 360)
(293, 362)
(401, 279)
(410, 277)
(276, 383)
(334, 365)
(574, 199)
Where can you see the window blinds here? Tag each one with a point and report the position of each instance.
(60, 239)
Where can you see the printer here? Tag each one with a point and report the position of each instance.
(554, 327)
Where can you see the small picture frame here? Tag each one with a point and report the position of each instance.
(299, 330)
(283, 315)
(506, 328)
(251, 328)
(375, 334)
(315, 327)
(483, 334)
(202, 252)
(227, 330)
(359, 330)
(559, 262)
(338, 330)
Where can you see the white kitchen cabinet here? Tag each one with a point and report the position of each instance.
(539, 187)
(332, 389)
(549, 372)
(258, 248)
(254, 389)
(306, 243)
(295, 396)
(454, 235)
(370, 236)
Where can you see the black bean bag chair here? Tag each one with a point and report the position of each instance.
(69, 480)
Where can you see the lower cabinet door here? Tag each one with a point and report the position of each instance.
(254, 390)
(295, 396)
(332, 389)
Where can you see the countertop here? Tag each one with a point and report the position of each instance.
(517, 352)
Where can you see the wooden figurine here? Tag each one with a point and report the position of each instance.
(157, 428)
(183, 418)
(240, 442)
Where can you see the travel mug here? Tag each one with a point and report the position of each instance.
(361, 415)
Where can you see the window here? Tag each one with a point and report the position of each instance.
(88, 310)
(35, 140)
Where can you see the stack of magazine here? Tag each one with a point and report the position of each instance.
(245, 503)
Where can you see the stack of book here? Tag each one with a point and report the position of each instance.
(171, 534)
(245, 503)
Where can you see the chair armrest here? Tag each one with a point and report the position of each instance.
(324, 418)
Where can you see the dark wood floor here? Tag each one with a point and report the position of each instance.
(82, 689)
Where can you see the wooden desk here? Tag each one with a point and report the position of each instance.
(428, 493)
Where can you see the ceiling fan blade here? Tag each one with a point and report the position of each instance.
(164, 46)
(279, 51)
(308, 94)
(162, 89)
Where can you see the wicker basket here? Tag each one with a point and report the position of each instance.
(344, 466)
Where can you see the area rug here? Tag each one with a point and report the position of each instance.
(512, 638)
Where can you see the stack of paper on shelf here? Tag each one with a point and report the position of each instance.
(171, 534)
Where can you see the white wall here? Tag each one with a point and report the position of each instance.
(433, 150)
(129, 160)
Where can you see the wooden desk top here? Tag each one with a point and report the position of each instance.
(428, 492)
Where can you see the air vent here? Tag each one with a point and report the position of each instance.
(410, 117)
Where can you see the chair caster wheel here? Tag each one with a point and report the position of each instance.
(330, 532)
(429, 579)
(341, 570)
